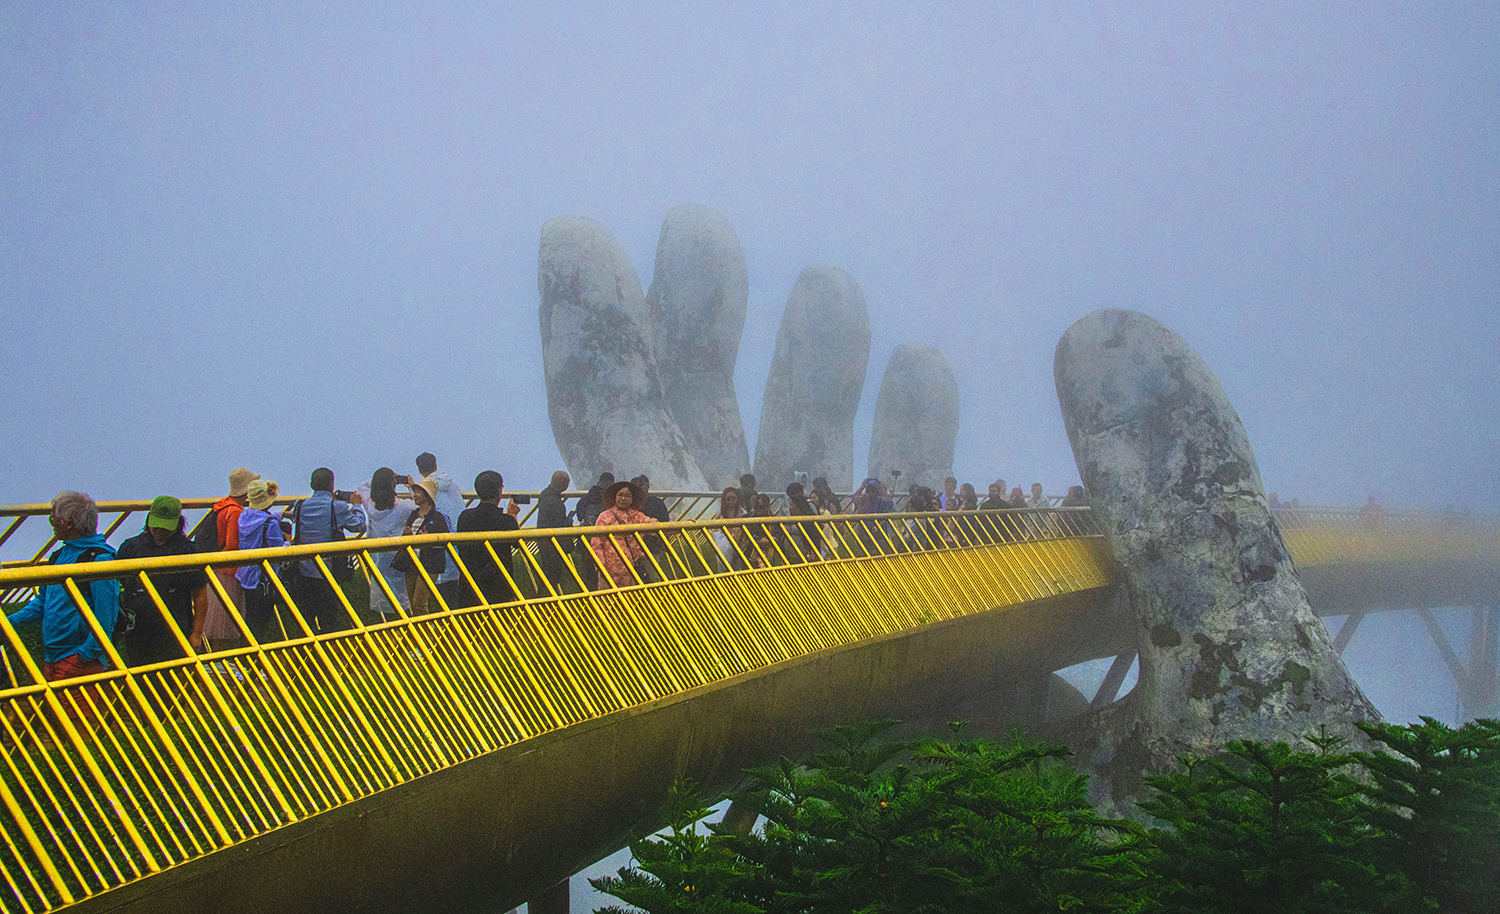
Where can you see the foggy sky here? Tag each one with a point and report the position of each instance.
(281, 236)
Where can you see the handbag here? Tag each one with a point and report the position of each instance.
(434, 558)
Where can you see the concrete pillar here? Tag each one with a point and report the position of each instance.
(739, 818)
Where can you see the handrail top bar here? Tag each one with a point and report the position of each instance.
(30, 575)
(117, 506)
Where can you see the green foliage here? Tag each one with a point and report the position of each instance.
(1263, 828)
(1435, 796)
(686, 871)
(872, 825)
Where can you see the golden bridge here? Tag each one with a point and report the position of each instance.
(471, 758)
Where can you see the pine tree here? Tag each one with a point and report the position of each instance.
(1435, 796)
(1264, 828)
(686, 872)
(873, 826)
(1019, 819)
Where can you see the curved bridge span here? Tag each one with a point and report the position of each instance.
(469, 759)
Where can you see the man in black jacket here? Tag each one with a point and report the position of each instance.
(185, 594)
(552, 512)
(587, 511)
(487, 516)
(656, 509)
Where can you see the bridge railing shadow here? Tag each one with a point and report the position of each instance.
(109, 778)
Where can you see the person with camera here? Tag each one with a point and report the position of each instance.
(149, 638)
(324, 517)
(487, 516)
(385, 516)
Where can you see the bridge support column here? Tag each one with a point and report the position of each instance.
(1477, 681)
(1346, 632)
(1110, 687)
(1484, 657)
(553, 901)
(739, 818)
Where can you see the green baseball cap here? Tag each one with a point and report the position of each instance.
(166, 513)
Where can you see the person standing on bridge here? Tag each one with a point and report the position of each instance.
(424, 519)
(948, 500)
(655, 508)
(731, 541)
(807, 538)
(385, 516)
(450, 501)
(617, 555)
(220, 532)
(69, 646)
(184, 594)
(747, 490)
(587, 511)
(827, 500)
(1038, 499)
(320, 518)
(487, 516)
(260, 528)
(968, 497)
(996, 499)
(552, 513)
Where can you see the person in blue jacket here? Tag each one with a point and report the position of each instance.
(69, 646)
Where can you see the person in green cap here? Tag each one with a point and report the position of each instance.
(146, 634)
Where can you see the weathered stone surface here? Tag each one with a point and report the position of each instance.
(817, 374)
(603, 393)
(1229, 648)
(697, 306)
(916, 418)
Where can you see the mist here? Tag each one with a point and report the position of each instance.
(282, 236)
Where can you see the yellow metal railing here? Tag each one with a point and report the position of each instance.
(1321, 536)
(109, 778)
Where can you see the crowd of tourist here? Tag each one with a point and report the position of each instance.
(245, 600)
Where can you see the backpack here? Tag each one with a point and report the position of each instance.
(206, 534)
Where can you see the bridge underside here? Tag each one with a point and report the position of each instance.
(1338, 588)
(497, 830)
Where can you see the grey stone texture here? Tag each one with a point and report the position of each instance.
(696, 303)
(603, 392)
(1229, 648)
(916, 418)
(816, 376)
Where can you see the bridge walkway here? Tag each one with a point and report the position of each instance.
(111, 781)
